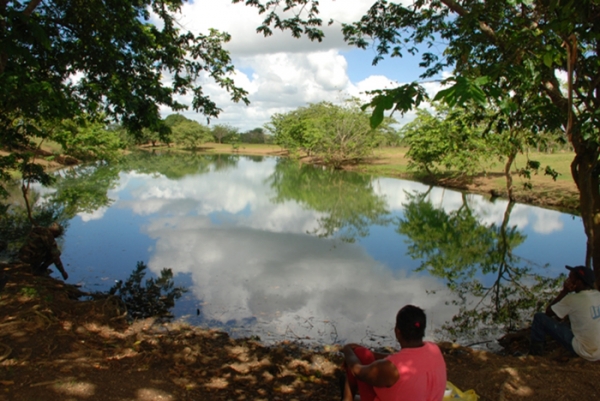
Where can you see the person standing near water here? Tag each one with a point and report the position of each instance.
(417, 372)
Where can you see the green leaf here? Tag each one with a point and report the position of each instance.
(548, 58)
(376, 116)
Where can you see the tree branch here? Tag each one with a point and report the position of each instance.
(458, 9)
(31, 6)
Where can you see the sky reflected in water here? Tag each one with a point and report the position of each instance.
(250, 255)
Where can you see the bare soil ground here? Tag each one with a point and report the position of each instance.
(55, 347)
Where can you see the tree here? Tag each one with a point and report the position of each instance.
(459, 138)
(255, 135)
(335, 134)
(191, 134)
(62, 58)
(87, 140)
(222, 131)
(493, 47)
(513, 124)
(173, 119)
(503, 46)
(446, 139)
(151, 136)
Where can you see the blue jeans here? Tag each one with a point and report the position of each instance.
(544, 324)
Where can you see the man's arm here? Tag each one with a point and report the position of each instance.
(60, 267)
(568, 286)
(380, 373)
(56, 259)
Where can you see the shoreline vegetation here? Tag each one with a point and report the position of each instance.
(560, 194)
(55, 345)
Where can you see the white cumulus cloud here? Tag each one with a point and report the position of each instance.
(280, 73)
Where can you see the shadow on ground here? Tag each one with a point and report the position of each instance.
(54, 346)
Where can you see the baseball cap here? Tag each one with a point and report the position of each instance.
(584, 273)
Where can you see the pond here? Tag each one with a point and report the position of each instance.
(271, 248)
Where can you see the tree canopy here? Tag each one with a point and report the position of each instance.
(335, 134)
(445, 139)
(508, 46)
(493, 48)
(108, 59)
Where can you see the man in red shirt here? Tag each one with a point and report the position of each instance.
(416, 373)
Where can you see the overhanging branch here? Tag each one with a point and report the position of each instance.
(31, 6)
(458, 9)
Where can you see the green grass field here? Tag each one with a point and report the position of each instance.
(393, 161)
(544, 191)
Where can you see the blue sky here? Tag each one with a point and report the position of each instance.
(282, 73)
(404, 69)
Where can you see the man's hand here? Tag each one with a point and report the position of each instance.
(60, 267)
(569, 285)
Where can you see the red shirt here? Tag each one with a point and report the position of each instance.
(422, 375)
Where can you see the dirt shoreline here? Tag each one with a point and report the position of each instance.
(53, 346)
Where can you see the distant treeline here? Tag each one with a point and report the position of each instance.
(191, 134)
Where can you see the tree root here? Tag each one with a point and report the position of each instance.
(6, 353)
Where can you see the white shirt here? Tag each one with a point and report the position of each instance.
(583, 309)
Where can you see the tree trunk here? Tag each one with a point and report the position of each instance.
(507, 174)
(584, 175)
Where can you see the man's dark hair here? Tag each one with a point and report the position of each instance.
(56, 229)
(411, 322)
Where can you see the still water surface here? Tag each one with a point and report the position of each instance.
(270, 248)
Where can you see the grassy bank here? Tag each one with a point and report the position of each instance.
(559, 194)
(545, 191)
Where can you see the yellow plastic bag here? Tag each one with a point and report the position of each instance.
(454, 394)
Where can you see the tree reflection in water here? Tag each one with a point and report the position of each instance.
(347, 201)
(497, 291)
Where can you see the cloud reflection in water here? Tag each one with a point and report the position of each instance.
(277, 278)
(253, 268)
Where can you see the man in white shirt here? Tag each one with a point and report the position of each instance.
(580, 302)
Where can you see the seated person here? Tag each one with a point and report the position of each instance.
(580, 302)
(416, 373)
(40, 249)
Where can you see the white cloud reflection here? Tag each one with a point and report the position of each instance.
(278, 279)
(543, 221)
